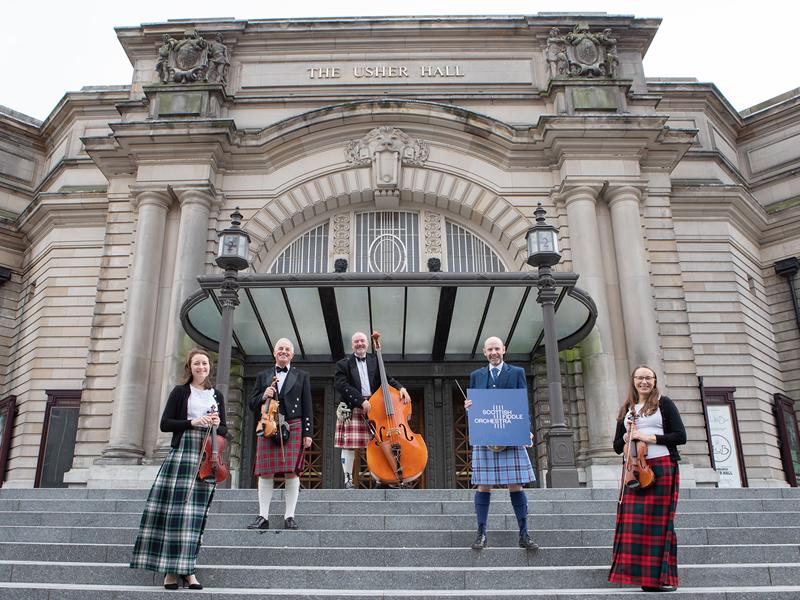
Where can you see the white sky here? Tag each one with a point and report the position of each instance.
(748, 49)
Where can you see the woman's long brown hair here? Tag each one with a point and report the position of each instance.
(650, 404)
(187, 367)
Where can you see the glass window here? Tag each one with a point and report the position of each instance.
(387, 242)
(466, 253)
(307, 254)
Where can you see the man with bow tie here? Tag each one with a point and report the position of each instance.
(509, 465)
(272, 457)
(356, 379)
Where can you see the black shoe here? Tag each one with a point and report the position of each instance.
(192, 586)
(526, 542)
(480, 542)
(172, 586)
(289, 523)
(660, 588)
(259, 523)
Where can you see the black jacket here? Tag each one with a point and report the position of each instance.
(294, 398)
(674, 432)
(347, 381)
(174, 417)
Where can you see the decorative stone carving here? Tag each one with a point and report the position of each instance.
(341, 234)
(581, 53)
(386, 148)
(192, 59)
(433, 233)
(218, 63)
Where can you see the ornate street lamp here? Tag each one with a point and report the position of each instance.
(542, 240)
(232, 252)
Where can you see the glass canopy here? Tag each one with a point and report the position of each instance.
(421, 316)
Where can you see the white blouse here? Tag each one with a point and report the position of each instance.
(650, 425)
(201, 402)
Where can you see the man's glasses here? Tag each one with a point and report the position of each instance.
(648, 379)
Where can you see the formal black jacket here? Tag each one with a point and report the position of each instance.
(294, 398)
(347, 381)
(174, 417)
(674, 432)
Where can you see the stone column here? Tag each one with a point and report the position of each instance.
(128, 419)
(190, 258)
(597, 350)
(638, 312)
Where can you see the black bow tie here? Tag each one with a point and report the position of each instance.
(361, 358)
(281, 369)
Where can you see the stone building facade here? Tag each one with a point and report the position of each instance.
(681, 216)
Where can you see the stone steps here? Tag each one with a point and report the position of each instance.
(734, 545)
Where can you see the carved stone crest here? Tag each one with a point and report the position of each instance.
(386, 148)
(581, 53)
(192, 59)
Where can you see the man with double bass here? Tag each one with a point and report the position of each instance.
(356, 379)
(272, 455)
(510, 466)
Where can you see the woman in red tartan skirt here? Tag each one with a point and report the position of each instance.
(645, 546)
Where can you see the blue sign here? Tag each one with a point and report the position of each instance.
(499, 417)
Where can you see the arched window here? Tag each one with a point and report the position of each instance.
(307, 254)
(466, 253)
(389, 242)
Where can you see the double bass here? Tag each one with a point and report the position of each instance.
(395, 455)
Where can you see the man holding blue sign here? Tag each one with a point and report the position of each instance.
(492, 465)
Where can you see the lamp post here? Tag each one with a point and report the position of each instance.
(542, 240)
(232, 252)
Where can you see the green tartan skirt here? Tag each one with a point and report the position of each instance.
(175, 514)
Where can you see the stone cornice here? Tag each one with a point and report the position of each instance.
(375, 34)
(643, 137)
(735, 205)
(51, 210)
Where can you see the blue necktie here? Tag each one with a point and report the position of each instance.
(495, 372)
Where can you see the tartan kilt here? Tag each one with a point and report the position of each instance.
(175, 513)
(352, 433)
(511, 465)
(645, 545)
(269, 458)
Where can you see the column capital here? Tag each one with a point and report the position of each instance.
(144, 195)
(571, 190)
(204, 195)
(616, 192)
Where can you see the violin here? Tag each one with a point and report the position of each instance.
(212, 468)
(395, 455)
(638, 473)
(268, 422)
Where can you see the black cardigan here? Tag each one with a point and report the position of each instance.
(674, 432)
(174, 417)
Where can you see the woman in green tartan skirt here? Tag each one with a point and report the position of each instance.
(177, 507)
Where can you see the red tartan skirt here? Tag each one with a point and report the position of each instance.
(352, 433)
(270, 458)
(645, 546)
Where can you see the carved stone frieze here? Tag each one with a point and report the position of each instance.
(433, 233)
(581, 53)
(341, 234)
(193, 59)
(386, 148)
